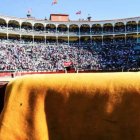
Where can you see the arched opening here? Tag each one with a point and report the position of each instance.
(131, 26)
(26, 39)
(97, 40)
(107, 40)
(85, 40)
(73, 40)
(119, 27)
(139, 26)
(50, 28)
(131, 38)
(62, 29)
(39, 39)
(38, 27)
(51, 40)
(14, 38)
(3, 23)
(13, 25)
(74, 29)
(3, 37)
(108, 28)
(96, 29)
(26, 26)
(138, 41)
(119, 39)
(85, 29)
(62, 40)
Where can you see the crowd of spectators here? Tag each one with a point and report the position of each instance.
(43, 58)
(119, 57)
(19, 57)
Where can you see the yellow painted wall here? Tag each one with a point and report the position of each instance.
(104, 106)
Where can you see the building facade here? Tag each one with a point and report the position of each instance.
(81, 32)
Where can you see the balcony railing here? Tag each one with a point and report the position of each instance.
(50, 33)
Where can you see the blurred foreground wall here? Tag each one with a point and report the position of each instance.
(104, 106)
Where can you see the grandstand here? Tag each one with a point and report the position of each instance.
(29, 44)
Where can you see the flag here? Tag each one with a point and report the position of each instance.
(78, 12)
(67, 64)
(54, 2)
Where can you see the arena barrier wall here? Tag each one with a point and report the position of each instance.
(101, 106)
(18, 73)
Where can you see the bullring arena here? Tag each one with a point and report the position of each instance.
(69, 80)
